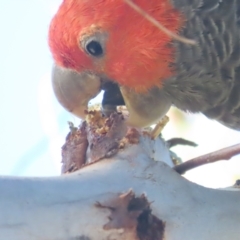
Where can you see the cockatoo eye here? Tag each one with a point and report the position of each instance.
(94, 48)
(94, 44)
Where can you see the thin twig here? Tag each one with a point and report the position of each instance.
(159, 25)
(222, 154)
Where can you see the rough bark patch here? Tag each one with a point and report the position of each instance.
(104, 138)
(150, 227)
(74, 150)
(129, 212)
(96, 138)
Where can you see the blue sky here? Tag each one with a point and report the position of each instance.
(33, 125)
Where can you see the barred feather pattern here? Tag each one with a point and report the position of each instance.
(208, 74)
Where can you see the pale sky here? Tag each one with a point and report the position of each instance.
(33, 125)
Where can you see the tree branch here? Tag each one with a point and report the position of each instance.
(223, 154)
(96, 202)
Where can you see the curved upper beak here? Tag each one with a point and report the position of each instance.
(74, 90)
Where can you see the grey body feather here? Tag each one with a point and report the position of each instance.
(208, 74)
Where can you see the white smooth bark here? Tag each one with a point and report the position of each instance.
(63, 208)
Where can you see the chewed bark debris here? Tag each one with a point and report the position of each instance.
(96, 138)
